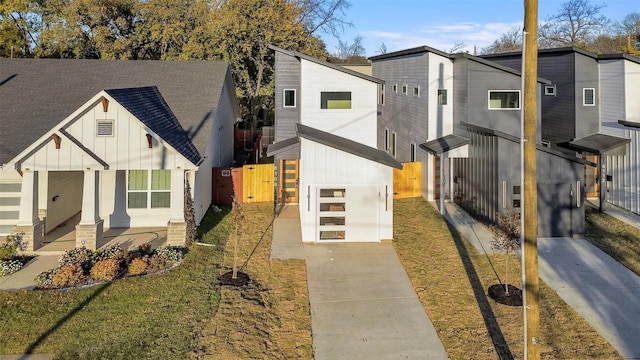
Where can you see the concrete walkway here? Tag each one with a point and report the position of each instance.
(24, 279)
(363, 305)
(604, 292)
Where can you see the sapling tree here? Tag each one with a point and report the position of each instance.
(235, 219)
(507, 238)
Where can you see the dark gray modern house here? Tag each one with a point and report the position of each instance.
(460, 116)
(592, 109)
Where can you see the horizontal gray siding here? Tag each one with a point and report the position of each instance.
(287, 77)
(587, 76)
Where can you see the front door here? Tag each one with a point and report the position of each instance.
(289, 181)
(591, 178)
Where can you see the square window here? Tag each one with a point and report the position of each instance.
(289, 98)
(335, 100)
(589, 97)
(504, 100)
(550, 90)
(442, 97)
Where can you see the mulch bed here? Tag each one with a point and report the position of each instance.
(498, 294)
(241, 279)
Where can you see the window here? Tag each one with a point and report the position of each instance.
(381, 94)
(144, 192)
(589, 97)
(404, 88)
(550, 90)
(413, 153)
(289, 98)
(416, 91)
(104, 127)
(335, 100)
(386, 139)
(395, 88)
(442, 97)
(502, 99)
(393, 144)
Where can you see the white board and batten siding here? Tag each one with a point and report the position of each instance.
(358, 123)
(367, 188)
(620, 86)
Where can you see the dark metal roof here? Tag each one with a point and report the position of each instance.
(495, 65)
(148, 106)
(281, 146)
(329, 65)
(598, 143)
(346, 145)
(415, 50)
(37, 94)
(445, 143)
(633, 124)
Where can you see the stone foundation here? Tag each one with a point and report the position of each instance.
(176, 234)
(31, 236)
(89, 236)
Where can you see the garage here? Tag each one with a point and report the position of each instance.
(346, 214)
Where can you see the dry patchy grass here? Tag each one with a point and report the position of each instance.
(451, 278)
(616, 238)
(269, 318)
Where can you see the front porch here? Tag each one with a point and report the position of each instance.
(63, 238)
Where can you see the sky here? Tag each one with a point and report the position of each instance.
(440, 24)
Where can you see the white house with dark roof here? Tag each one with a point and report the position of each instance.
(117, 142)
(325, 151)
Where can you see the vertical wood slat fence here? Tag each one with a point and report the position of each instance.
(407, 183)
(254, 183)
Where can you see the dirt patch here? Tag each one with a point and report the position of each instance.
(241, 279)
(512, 298)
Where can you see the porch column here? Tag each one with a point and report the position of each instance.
(29, 226)
(443, 181)
(89, 230)
(177, 227)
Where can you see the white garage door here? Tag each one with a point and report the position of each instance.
(347, 214)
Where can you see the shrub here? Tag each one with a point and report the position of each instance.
(10, 247)
(138, 266)
(67, 276)
(105, 270)
(8, 267)
(110, 252)
(45, 279)
(171, 254)
(81, 256)
(145, 249)
(156, 262)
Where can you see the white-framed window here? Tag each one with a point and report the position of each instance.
(550, 90)
(395, 88)
(589, 97)
(392, 146)
(289, 98)
(405, 89)
(148, 189)
(413, 152)
(335, 100)
(104, 127)
(504, 99)
(386, 139)
(442, 96)
(381, 94)
(416, 91)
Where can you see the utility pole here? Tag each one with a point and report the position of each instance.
(530, 245)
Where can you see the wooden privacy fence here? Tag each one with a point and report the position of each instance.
(254, 183)
(407, 183)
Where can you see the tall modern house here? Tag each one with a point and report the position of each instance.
(591, 109)
(460, 116)
(325, 151)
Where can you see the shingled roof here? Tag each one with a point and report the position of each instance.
(36, 94)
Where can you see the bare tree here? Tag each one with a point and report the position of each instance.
(328, 16)
(508, 42)
(576, 23)
(382, 49)
(457, 46)
(346, 50)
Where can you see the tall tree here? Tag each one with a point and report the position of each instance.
(630, 25)
(327, 16)
(575, 24)
(19, 25)
(508, 42)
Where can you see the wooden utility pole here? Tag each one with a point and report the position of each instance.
(530, 246)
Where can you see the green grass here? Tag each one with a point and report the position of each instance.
(616, 238)
(152, 317)
(451, 279)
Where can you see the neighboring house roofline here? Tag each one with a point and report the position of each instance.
(444, 144)
(631, 58)
(515, 139)
(412, 51)
(569, 49)
(496, 66)
(632, 124)
(598, 143)
(282, 146)
(346, 145)
(326, 64)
